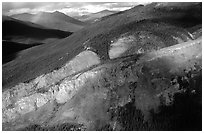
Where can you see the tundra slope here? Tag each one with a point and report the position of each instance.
(28, 33)
(18, 35)
(94, 17)
(92, 98)
(52, 56)
(127, 76)
(104, 80)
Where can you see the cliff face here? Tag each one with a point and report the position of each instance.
(87, 94)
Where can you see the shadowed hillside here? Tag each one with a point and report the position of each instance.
(11, 49)
(18, 35)
(28, 33)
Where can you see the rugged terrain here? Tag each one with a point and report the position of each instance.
(92, 95)
(142, 73)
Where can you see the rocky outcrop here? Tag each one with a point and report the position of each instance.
(89, 94)
(26, 97)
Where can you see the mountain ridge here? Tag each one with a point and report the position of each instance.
(54, 20)
(92, 17)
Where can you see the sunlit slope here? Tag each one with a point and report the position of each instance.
(89, 92)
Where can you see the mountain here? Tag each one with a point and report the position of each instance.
(55, 20)
(29, 33)
(140, 69)
(92, 17)
(18, 35)
(117, 13)
(23, 16)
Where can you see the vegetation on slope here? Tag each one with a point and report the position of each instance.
(27, 67)
(28, 33)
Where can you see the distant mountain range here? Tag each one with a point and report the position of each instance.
(55, 20)
(90, 18)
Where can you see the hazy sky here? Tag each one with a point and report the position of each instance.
(69, 8)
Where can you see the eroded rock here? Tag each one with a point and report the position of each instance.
(25, 96)
(91, 98)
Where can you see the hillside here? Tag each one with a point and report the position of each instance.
(55, 20)
(139, 69)
(10, 50)
(93, 17)
(74, 43)
(29, 33)
(18, 35)
(136, 7)
(139, 92)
